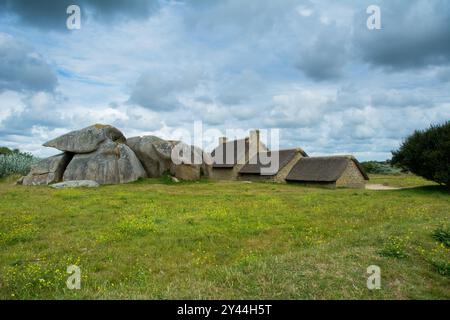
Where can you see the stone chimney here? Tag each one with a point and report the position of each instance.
(222, 140)
(254, 141)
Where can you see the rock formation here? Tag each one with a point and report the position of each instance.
(154, 153)
(101, 153)
(75, 184)
(86, 140)
(47, 171)
(111, 163)
(183, 161)
(189, 162)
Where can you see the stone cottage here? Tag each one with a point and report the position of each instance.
(230, 156)
(333, 171)
(275, 172)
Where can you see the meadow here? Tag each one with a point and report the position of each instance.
(154, 239)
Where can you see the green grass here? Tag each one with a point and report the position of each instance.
(160, 240)
(400, 180)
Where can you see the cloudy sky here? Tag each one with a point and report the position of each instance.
(310, 68)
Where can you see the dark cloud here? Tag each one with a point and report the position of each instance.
(414, 34)
(160, 89)
(23, 69)
(51, 14)
(444, 75)
(327, 56)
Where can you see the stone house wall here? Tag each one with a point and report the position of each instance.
(233, 173)
(221, 174)
(254, 178)
(351, 177)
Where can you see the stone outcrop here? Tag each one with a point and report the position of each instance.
(189, 162)
(186, 172)
(111, 163)
(86, 140)
(47, 171)
(183, 161)
(75, 184)
(153, 152)
(101, 153)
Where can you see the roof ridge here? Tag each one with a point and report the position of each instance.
(332, 156)
(234, 140)
(290, 149)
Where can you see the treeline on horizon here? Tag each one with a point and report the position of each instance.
(382, 167)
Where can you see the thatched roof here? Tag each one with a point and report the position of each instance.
(238, 153)
(285, 156)
(322, 169)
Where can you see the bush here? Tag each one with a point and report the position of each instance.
(442, 267)
(5, 150)
(442, 234)
(427, 153)
(377, 167)
(16, 162)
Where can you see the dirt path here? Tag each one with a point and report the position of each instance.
(380, 187)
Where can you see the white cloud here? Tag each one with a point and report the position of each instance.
(259, 64)
(304, 11)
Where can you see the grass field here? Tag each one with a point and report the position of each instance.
(156, 240)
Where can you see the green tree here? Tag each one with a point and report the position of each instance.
(427, 153)
(5, 150)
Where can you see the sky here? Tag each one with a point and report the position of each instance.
(310, 68)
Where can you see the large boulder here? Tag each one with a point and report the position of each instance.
(47, 171)
(86, 140)
(153, 152)
(75, 184)
(183, 161)
(111, 163)
(187, 172)
(189, 162)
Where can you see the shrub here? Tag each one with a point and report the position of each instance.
(427, 153)
(5, 150)
(378, 167)
(16, 163)
(442, 267)
(442, 235)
